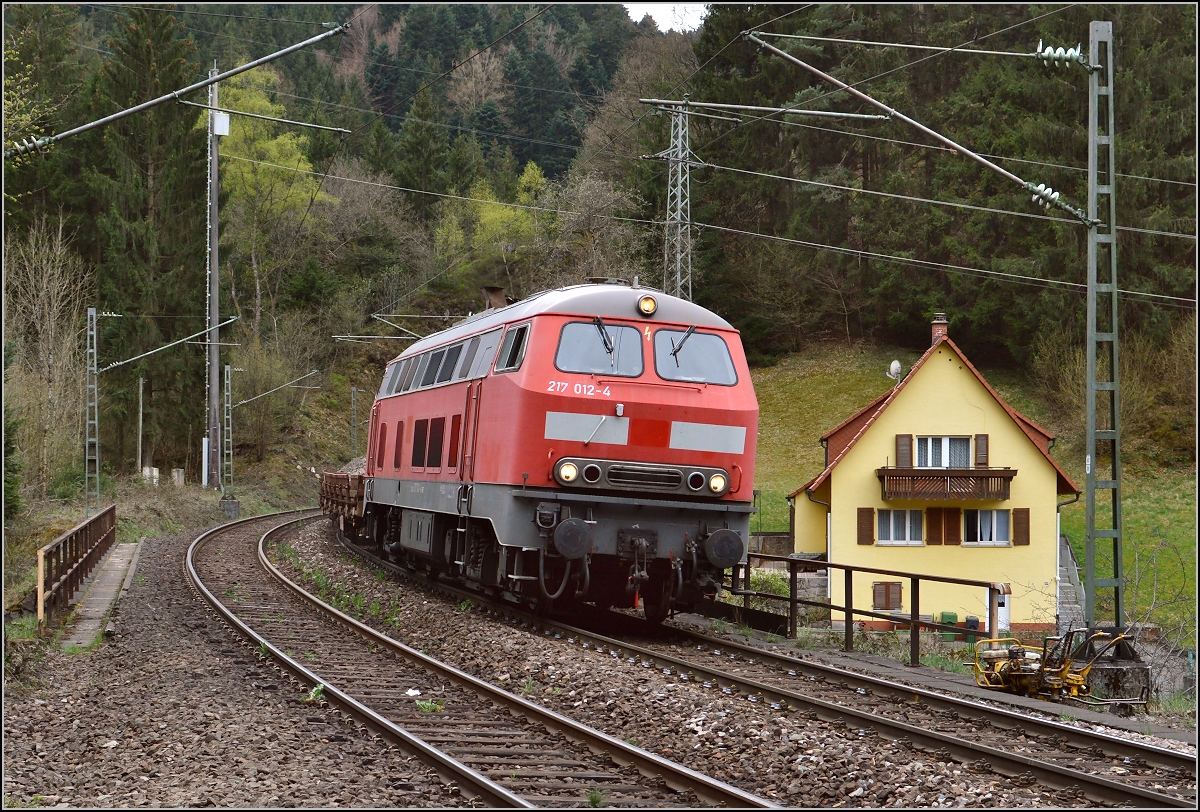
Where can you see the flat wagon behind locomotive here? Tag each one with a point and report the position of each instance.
(592, 443)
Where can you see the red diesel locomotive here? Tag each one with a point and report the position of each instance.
(594, 442)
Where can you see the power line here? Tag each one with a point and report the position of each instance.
(939, 202)
(984, 154)
(1029, 280)
(886, 73)
(892, 195)
(964, 269)
(959, 48)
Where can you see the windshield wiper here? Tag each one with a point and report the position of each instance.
(604, 336)
(675, 348)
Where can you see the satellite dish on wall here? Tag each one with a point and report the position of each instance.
(894, 372)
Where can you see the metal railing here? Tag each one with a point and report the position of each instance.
(66, 562)
(740, 579)
(945, 483)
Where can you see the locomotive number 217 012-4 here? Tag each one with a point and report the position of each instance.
(578, 388)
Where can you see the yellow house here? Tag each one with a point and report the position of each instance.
(939, 476)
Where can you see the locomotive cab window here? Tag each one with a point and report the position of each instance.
(512, 351)
(596, 347)
(686, 355)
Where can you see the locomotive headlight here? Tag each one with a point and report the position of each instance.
(568, 471)
(647, 305)
(716, 483)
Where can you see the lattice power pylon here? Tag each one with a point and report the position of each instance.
(91, 463)
(1103, 461)
(677, 243)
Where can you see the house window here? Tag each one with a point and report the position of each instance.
(899, 527)
(986, 528)
(943, 452)
(886, 595)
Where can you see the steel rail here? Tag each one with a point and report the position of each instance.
(450, 769)
(1095, 787)
(673, 775)
(1151, 754)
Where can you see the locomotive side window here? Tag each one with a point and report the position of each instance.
(512, 351)
(409, 371)
(418, 367)
(487, 354)
(388, 376)
(420, 430)
(455, 435)
(431, 369)
(437, 432)
(399, 378)
(449, 363)
(685, 355)
(596, 347)
(468, 359)
(399, 444)
(379, 446)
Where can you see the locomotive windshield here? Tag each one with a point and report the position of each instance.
(685, 355)
(582, 348)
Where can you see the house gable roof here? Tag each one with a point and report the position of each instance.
(842, 437)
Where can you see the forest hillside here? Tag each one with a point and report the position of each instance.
(506, 145)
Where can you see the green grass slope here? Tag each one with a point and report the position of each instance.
(801, 398)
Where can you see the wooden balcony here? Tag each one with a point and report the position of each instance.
(945, 483)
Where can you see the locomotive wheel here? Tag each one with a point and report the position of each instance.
(656, 600)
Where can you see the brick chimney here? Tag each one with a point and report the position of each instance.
(940, 326)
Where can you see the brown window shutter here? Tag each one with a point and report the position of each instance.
(952, 525)
(879, 595)
(904, 446)
(981, 451)
(1020, 525)
(866, 525)
(933, 525)
(894, 598)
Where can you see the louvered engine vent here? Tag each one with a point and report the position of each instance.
(644, 477)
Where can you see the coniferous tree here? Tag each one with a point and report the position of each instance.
(423, 150)
(148, 188)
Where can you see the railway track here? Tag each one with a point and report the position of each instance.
(495, 746)
(1101, 768)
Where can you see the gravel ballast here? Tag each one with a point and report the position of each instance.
(175, 711)
(787, 756)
